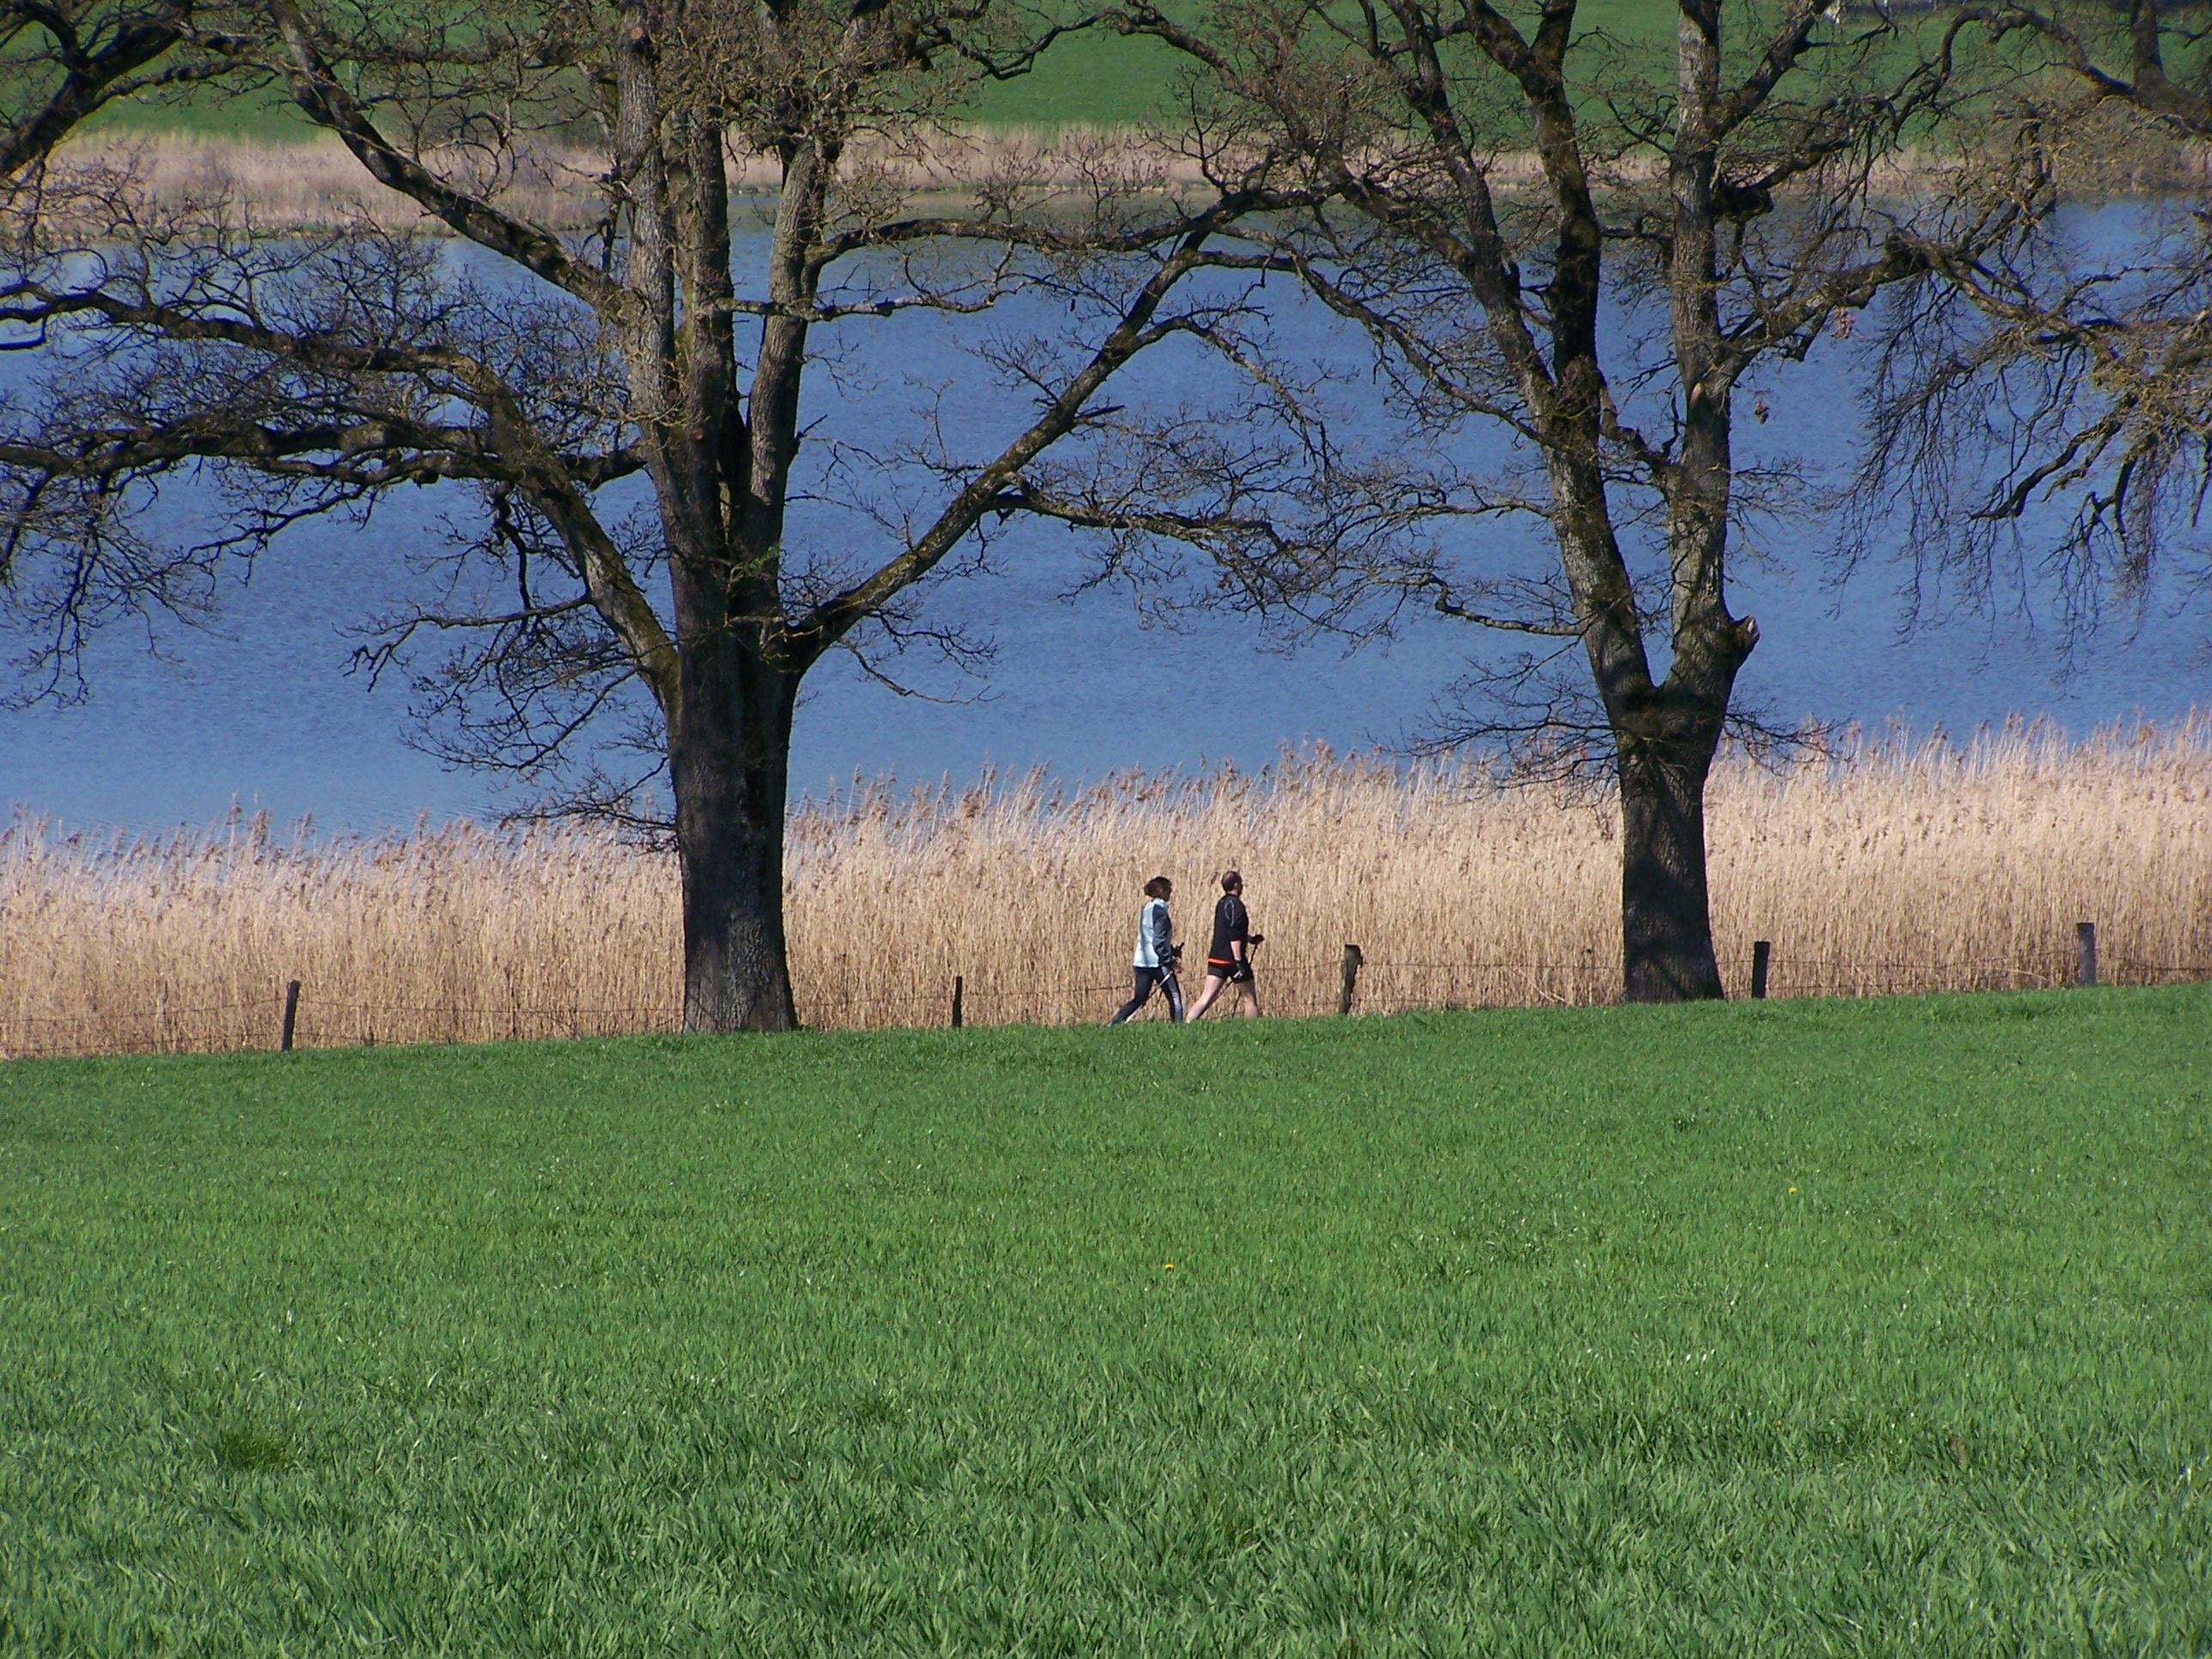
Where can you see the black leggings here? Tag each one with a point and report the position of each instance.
(1142, 993)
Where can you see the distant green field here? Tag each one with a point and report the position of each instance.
(1090, 79)
(1853, 1327)
(1094, 79)
(1104, 80)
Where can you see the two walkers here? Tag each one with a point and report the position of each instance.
(1228, 958)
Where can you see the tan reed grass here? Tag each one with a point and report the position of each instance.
(1900, 868)
(310, 183)
(315, 183)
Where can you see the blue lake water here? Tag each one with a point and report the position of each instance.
(259, 709)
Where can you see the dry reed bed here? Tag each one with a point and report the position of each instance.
(315, 183)
(1898, 868)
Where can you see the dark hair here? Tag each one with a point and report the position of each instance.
(1232, 882)
(1158, 887)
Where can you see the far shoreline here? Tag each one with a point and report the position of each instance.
(313, 182)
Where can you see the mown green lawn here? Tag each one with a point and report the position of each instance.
(1780, 1329)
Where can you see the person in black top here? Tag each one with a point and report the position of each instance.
(1229, 958)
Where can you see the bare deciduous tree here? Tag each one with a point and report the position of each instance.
(630, 418)
(1548, 244)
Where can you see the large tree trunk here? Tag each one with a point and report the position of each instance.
(1666, 921)
(1666, 744)
(730, 759)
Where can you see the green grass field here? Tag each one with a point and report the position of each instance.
(1099, 79)
(1094, 79)
(1774, 1328)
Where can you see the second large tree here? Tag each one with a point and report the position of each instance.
(1580, 245)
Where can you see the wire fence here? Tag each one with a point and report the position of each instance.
(1295, 986)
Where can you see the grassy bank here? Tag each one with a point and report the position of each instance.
(1914, 868)
(1848, 1327)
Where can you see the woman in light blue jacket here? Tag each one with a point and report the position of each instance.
(1156, 954)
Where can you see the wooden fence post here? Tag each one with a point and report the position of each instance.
(958, 988)
(1762, 952)
(291, 1015)
(1352, 961)
(2085, 953)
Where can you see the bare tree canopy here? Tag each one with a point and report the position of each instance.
(626, 418)
(1571, 251)
(2048, 404)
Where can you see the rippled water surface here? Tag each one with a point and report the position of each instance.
(259, 709)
